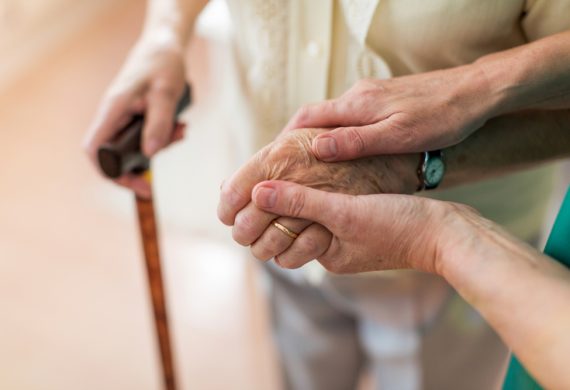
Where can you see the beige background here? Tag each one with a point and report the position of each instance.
(74, 312)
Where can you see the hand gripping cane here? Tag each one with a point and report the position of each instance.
(123, 155)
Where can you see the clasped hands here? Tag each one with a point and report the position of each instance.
(331, 207)
(357, 145)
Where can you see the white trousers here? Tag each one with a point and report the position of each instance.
(410, 329)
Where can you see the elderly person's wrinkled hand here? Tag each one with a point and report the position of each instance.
(150, 83)
(290, 158)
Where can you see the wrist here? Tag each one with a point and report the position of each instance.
(175, 17)
(435, 237)
(407, 166)
(504, 74)
(455, 238)
(473, 253)
(164, 36)
(479, 93)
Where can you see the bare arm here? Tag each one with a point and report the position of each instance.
(535, 78)
(150, 82)
(523, 294)
(509, 143)
(505, 144)
(532, 76)
(172, 18)
(438, 109)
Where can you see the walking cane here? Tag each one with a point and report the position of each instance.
(123, 155)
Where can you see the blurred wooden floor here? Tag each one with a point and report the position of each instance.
(74, 312)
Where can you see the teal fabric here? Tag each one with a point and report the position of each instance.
(557, 247)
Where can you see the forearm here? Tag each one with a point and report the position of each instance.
(172, 19)
(532, 76)
(521, 293)
(509, 143)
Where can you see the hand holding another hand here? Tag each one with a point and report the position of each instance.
(290, 158)
(371, 232)
(415, 113)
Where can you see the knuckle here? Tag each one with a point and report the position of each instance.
(365, 86)
(269, 248)
(277, 149)
(162, 129)
(329, 106)
(165, 90)
(296, 204)
(308, 244)
(260, 252)
(230, 196)
(303, 114)
(243, 229)
(223, 216)
(360, 85)
(355, 140)
(344, 221)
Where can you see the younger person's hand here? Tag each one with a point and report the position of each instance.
(369, 232)
(406, 114)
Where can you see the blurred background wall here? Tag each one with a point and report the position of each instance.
(74, 312)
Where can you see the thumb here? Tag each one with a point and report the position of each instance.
(346, 143)
(293, 200)
(349, 143)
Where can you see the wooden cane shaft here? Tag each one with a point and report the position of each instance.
(149, 235)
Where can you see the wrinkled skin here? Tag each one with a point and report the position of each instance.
(290, 158)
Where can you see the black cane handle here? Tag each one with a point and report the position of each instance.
(123, 153)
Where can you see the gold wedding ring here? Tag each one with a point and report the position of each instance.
(290, 233)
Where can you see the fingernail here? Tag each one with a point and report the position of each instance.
(265, 197)
(326, 148)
